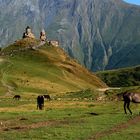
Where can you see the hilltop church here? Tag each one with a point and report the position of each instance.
(28, 34)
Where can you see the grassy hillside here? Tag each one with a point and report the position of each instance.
(121, 77)
(29, 71)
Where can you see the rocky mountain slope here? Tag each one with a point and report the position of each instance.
(100, 34)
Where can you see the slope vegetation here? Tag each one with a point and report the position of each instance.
(27, 67)
(121, 77)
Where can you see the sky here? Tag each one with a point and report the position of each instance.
(137, 2)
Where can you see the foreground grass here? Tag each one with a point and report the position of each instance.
(65, 120)
(131, 133)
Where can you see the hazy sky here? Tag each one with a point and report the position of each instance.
(137, 2)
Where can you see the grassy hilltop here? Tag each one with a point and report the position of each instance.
(28, 70)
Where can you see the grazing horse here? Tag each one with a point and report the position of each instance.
(130, 97)
(17, 97)
(47, 97)
(40, 102)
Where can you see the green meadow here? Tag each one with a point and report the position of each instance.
(67, 120)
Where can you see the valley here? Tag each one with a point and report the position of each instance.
(81, 107)
(87, 57)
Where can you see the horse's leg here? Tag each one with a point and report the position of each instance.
(40, 106)
(125, 107)
(128, 104)
(37, 106)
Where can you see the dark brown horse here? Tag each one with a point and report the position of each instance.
(17, 97)
(40, 102)
(130, 97)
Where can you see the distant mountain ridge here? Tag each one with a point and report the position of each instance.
(100, 34)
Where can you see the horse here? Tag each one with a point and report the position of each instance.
(17, 97)
(47, 97)
(130, 97)
(40, 102)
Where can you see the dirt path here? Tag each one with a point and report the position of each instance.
(109, 88)
(117, 128)
(30, 126)
(34, 125)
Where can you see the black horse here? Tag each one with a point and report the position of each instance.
(130, 97)
(40, 102)
(17, 97)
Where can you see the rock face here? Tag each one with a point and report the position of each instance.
(100, 34)
(28, 33)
